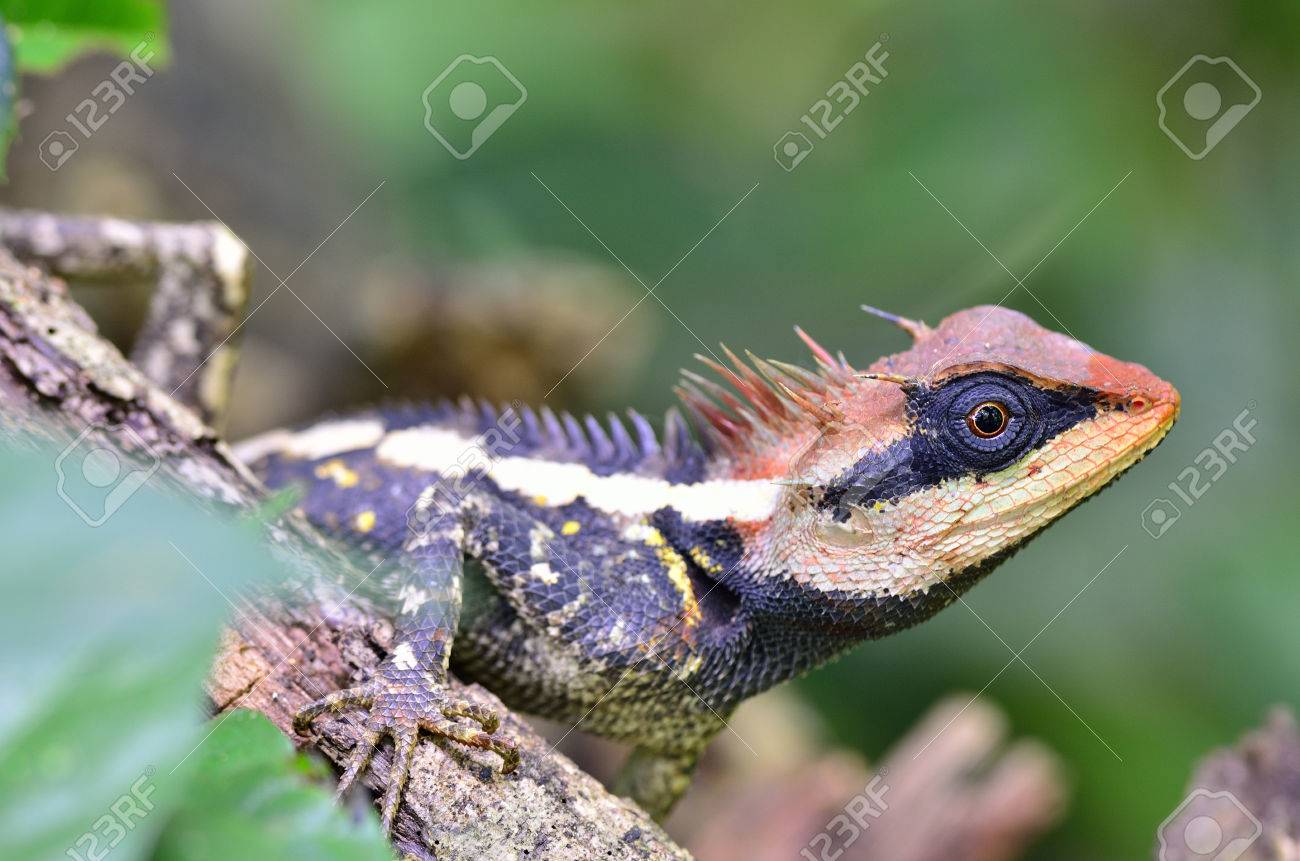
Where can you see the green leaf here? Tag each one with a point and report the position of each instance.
(47, 34)
(107, 634)
(251, 797)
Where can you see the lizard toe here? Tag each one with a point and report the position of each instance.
(484, 716)
(399, 705)
(362, 695)
(405, 735)
(367, 741)
(480, 738)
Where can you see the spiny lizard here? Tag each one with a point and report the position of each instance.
(641, 584)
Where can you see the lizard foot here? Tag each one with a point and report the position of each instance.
(401, 706)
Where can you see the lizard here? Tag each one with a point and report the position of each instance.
(640, 584)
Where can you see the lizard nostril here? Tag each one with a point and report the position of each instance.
(1138, 405)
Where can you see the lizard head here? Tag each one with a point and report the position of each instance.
(908, 481)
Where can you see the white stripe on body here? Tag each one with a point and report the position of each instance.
(436, 449)
(315, 442)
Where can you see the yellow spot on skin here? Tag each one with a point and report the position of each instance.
(365, 521)
(339, 472)
(655, 538)
(703, 560)
(570, 527)
(675, 566)
(539, 500)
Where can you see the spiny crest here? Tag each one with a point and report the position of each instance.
(606, 447)
(769, 400)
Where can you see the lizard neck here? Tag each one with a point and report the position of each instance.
(794, 628)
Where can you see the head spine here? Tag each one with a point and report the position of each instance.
(770, 400)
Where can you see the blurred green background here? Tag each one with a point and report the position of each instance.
(650, 123)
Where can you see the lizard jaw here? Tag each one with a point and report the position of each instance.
(1072, 468)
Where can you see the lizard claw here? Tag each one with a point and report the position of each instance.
(401, 706)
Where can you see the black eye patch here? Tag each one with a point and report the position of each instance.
(972, 425)
(957, 425)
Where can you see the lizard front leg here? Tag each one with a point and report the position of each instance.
(409, 689)
(626, 607)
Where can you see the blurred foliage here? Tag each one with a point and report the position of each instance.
(650, 121)
(48, 34)
(45, 35)
(253, 797)
(107, 634)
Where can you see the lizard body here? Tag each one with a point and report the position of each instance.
(640, 584)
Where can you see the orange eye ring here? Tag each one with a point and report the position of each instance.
(988, 419)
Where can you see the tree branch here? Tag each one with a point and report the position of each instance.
(200, 273)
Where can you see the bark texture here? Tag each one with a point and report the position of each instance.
(200, 273)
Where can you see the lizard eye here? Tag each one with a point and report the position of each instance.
(988, 420)
(983, 423)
